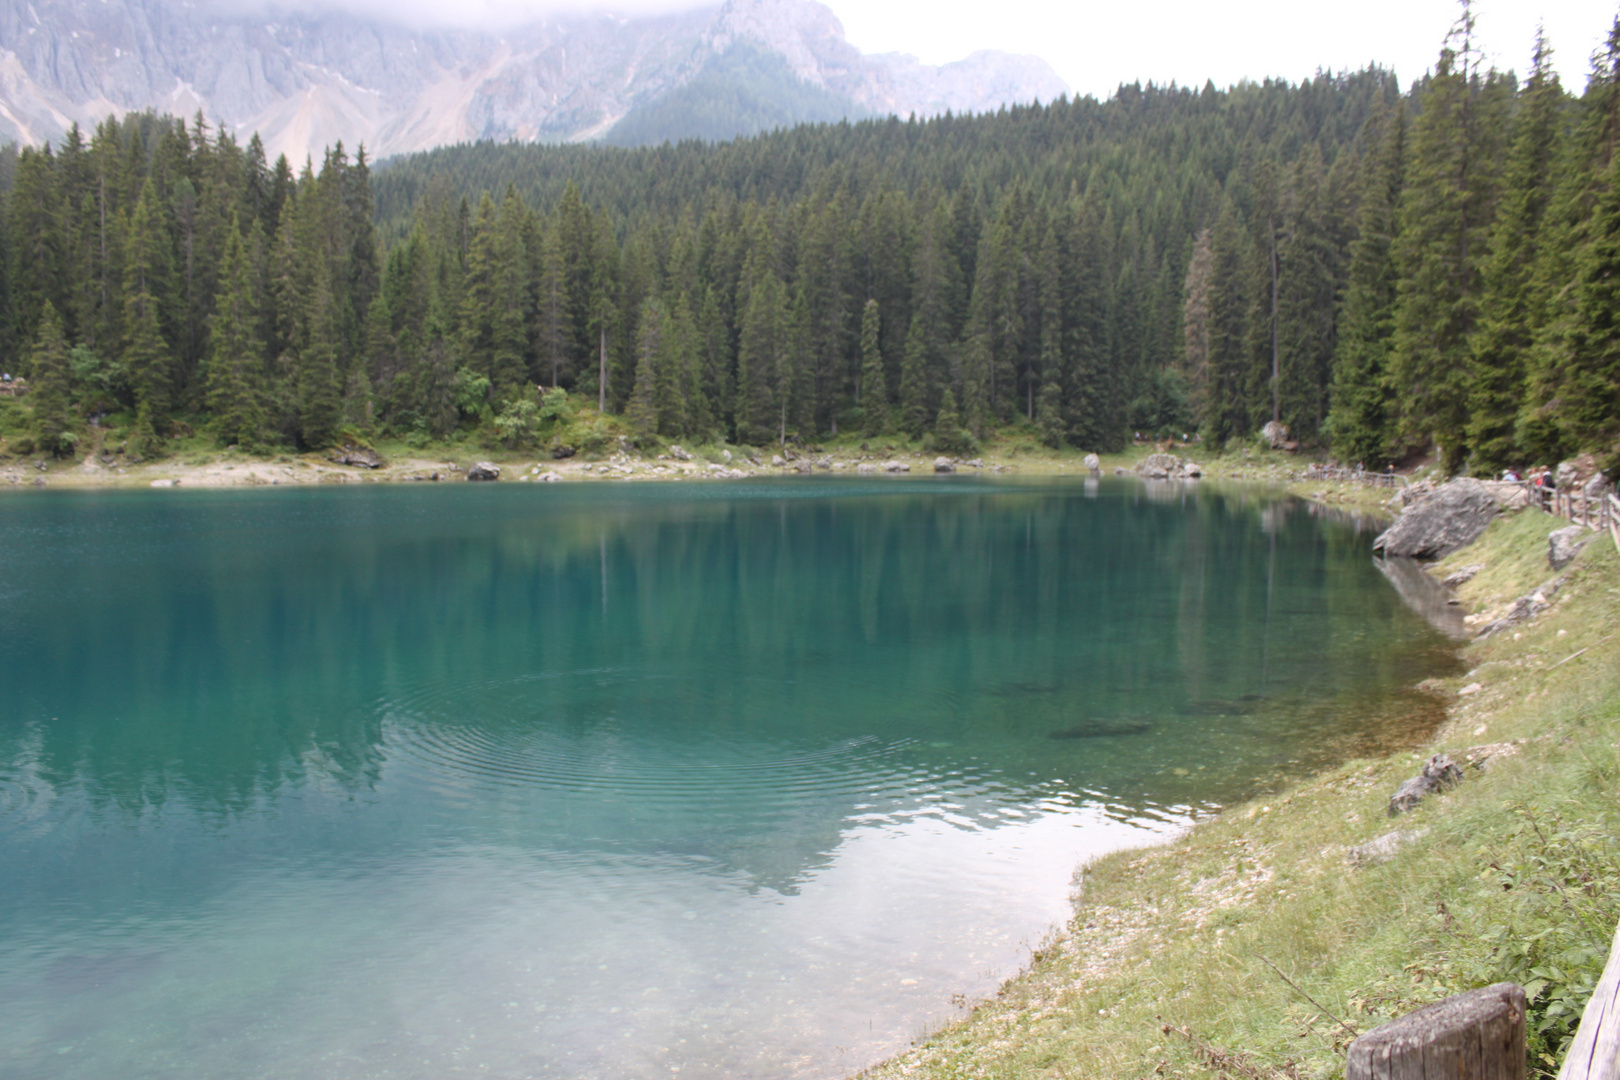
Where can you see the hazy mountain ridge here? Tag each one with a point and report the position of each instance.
(304, 81)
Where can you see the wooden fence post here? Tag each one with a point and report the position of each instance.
(1595, 1053)
(1474, 1036)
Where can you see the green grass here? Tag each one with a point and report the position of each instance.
(1250, 947)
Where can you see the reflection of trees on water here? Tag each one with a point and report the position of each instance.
(224, 650)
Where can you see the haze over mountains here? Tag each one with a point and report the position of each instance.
(305, 80)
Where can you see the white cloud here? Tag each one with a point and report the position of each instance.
(1095, 45)
(473, 14)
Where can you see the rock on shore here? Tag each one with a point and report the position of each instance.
(1452, 516)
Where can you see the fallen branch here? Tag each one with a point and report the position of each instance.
(1233, 1062)
(1353, 1032)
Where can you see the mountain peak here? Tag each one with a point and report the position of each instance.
(306, 79)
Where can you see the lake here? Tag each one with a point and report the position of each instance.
(752, 779)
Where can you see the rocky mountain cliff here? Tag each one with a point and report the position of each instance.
(305, 80)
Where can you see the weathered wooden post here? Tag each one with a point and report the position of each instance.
(1595, 1053)
(1474, 1036)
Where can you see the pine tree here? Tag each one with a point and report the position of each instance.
(1363, 411)
(52, 377)
(650, 346)
(1196, 321)
(874, 385)
(235, 368)
(1511, 306)
(762, 359)
(1446, 209)
(914, 381)
(1590, 414)
(318, 382)
(1545, 431)
(146, 352)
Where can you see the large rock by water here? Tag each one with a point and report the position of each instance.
(1450, 517)
(484, 470)
(1167, 467)
(361, 457)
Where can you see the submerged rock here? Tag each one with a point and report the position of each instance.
(484, 470)
(1103, 729)
(1452, 516)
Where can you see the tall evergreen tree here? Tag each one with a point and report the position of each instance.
(1446, 210)
(235, 368)
(874, 384)
(1363, 406)
(1512, 307)
(53, 420)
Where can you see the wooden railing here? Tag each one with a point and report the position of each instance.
(1600, 513)
(1480, 1035)
(1595, 1053)
(1359, 476)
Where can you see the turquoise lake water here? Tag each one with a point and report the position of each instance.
(700, 780)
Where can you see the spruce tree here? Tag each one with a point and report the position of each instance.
(762, 356)
(146, 352)
(51, 381)
(1363, 411)
(874, 385)
(235, 367)
(644, 399)
(1446, 209)
(1511, 306)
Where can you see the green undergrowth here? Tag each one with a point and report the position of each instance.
(1257, 946)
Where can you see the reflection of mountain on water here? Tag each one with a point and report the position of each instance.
(672, 669)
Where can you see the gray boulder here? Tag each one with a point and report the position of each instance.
(896, 466)
(679, 453)
(1382, 849)
(484, 470)
(1159, 467)
(1597, 485)
(1275, 433)
(1564, 544)
(944, 464)
(361, 457)
(1439, 773)
(1452, 516)
(1094, 463)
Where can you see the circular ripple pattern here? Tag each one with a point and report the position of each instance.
(656, 754)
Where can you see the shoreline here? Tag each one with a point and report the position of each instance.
(229, 469)
(1255, 941)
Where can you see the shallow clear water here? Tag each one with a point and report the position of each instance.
(741, 780)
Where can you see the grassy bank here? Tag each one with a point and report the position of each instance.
(1257, 944)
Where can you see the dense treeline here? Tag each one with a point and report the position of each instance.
(1382, 271)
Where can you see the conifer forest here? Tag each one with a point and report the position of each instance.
(1389, 271)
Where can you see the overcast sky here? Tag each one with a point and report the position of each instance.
(1097, 44)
